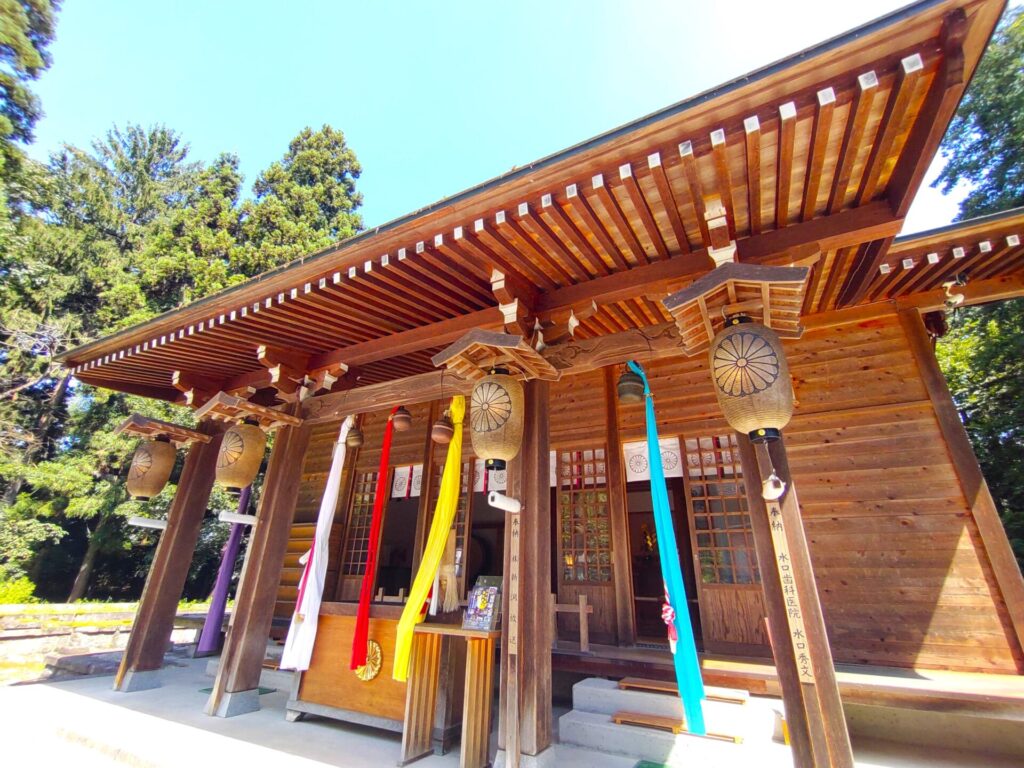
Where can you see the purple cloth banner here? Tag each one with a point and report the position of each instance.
(209, 640)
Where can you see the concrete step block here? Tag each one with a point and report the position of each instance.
(605, 697)
(591, 730)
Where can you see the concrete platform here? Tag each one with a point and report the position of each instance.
(84, 721)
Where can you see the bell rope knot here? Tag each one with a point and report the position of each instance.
(668, 615)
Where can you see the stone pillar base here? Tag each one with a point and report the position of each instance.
(238, 703)
(139, 680)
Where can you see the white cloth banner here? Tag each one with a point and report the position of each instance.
(298, 646)
(407, 482)
(638, 466)
(485, 481)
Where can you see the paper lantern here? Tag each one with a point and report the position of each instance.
(443, 429)
(241, 453)
(630, 387)
(496, 418)
(751, 379)
(401, 419)
(151, 468)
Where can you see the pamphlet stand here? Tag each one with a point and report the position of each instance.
(421, 694)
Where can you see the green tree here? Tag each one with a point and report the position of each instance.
(26, 31)
(113, 235)
(984, 143)
(981, 356)
(303, 203)
(983, 360)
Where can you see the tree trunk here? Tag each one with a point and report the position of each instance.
(85, 570)
(39, 432)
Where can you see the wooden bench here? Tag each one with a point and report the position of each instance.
(582, 609)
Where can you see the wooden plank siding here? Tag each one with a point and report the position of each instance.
(902, 572)
(901, 567)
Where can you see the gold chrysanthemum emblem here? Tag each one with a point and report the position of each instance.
(231, 449)
(141, 463)
(492, 407)
(374, 660)
(745, 363)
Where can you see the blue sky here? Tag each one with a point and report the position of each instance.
(433, 97)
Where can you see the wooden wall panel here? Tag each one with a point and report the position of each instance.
(406, 447)
(602, 622)
(732, 618)
(903, 573)
(577, 411)
(314, 478)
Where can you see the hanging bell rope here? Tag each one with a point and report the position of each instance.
(362, 630)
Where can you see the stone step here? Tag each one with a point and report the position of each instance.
(595, 731)
(604, 697)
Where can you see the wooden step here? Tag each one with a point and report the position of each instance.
(661, 723)
(663, 686)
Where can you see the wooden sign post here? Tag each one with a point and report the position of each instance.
(512, 639)
(803, 659)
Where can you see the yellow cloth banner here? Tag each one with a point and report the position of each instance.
(444, 515)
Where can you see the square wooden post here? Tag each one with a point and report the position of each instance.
(622, 571)
(526, 694)
(154, 620)
(814, 710)
(235, 691)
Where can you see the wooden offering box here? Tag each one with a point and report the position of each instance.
(330, 689)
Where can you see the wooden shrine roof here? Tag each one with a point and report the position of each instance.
(823, 149)
(975, 250)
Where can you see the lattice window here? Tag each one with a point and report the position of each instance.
(357, 540)
(462, 517)
(585, 539)
(718, 503)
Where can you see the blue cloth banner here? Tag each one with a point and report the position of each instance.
(691, 686)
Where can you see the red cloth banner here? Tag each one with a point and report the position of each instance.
(380, 498)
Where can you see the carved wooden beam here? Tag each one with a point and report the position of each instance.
(515, 301)
(195, 388)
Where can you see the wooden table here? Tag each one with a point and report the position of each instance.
(421, 695)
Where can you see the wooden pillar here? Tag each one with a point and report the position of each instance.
(235, 691)
(621, 571)
(525, 708)
(426, 487)
(154, 620)
(968, 471)
(814, 710)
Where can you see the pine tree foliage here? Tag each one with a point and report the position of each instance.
(981, 356)
(97, 239)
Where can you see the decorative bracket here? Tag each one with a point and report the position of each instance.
(771, 295)
(478, 351)
(151, 429)
(225, 407)
(721, 249)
